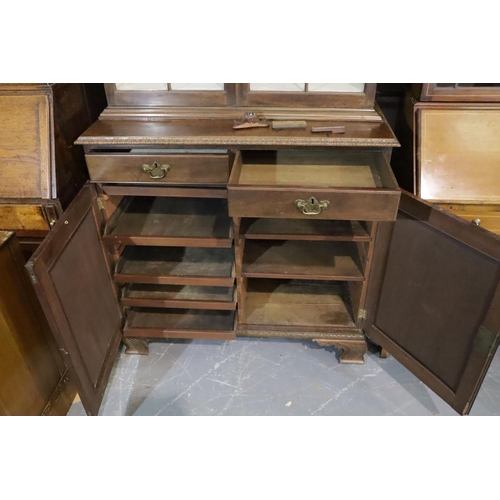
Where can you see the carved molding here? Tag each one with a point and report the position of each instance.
(353, 351)
(235, 141)
(136, 346)
(338, 335)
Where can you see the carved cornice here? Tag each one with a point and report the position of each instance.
(236, 141)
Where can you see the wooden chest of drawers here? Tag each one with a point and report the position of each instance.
(298, 236)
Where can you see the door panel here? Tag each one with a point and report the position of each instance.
(435, 300)
(73, 281)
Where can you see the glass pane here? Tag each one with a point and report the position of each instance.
(142, 86)
(278, 87)
(173, 86)
(336, 87)
(197, 86)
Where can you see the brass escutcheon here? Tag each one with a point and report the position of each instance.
(312, 206)
(156, 171)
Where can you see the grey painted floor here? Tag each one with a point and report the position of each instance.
(271, 377)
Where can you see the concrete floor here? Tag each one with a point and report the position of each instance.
(271, 377)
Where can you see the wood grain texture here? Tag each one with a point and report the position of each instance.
(180, 297)
(297, 304)
(176, 266)
(320, 260)
(170, 221)
(219, 132)
(23, 218)
(303, 229)
(32, 374)
(189, 169)
(25, 168)
(180, 323)
(459, 154)
(438, 289)
(73, 282)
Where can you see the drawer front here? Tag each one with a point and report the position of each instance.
(342, 205)
(24, 146)
(192, 169)
(24, 219)
(485, 216)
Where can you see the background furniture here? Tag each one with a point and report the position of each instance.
(41, 169)
(192, 229)
(33, 377)
(450, 136)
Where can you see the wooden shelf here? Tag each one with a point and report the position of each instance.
(144, 220)
(180, 323)
(318, 260)
(297, 305)
(180, 297)
(300, 229)
(176, 266)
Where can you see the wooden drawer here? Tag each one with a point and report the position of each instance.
(26, 220)
(486, 216)
(343, 185)
(172, 169)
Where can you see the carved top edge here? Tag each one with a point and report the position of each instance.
(238, 141)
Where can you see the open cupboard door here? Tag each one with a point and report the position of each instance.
(71, 276)
(434, 298)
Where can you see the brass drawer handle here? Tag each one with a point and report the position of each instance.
(477, 222)
(312, 206)
(156, 171)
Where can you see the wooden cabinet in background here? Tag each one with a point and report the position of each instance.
(41, 169)
(33, 377)
(451, 149)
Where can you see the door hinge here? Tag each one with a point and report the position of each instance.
(31, 272)
(100, 203)
(362, 314)
(485, 341)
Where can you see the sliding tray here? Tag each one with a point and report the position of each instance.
(180, 323)
(340, 184)
(176, 266)
(145, 220)
(179, 296)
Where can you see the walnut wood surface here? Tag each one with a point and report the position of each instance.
(297, 304)
(32, 373)
(73, 282)
(189, 169)
(219, 132)
(303, 229)
(170, 221)
(432, 326)
(275, 196)
(176, 265)
(320, 260)
(185, 297)
(180, 323)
